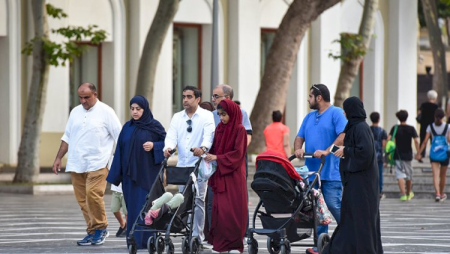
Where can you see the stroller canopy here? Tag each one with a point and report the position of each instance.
(279, 158)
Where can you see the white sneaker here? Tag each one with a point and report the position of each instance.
(234, 251)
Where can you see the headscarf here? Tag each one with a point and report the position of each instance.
(354, 110)
(147, 122)
(225, 134)
(148, 129)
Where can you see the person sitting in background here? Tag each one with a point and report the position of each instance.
(277, 135)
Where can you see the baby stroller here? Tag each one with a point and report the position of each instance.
(290, 206)
(169, 223)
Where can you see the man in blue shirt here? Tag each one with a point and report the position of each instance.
(320, 129)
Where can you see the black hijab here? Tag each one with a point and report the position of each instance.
(141, 162)
(354, 110)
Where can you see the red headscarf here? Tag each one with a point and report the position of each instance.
(225, 134)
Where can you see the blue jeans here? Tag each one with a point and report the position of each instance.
(380, 170)
(332, 193)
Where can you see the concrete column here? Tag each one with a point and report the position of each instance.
(401, 90)
(244, 50)
(297, 104)
(10, 83)
(373, 73)
(324, 69)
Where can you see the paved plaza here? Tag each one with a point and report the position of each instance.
(53, 224)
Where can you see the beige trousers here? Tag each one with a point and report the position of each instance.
(89, 190)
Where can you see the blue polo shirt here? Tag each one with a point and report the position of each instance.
(319, 132)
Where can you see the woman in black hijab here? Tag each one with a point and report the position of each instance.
(359, 229)
(137, 161)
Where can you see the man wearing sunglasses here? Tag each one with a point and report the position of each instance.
(320, 129)
(193, 128)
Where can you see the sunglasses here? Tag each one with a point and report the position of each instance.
(316, 88)
(189, 128)
(216, 96)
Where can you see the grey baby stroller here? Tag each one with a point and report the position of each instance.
(289, 213)
(169, 223)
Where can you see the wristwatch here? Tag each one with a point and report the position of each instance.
(204, 149)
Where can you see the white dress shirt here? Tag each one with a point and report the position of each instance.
(202, 134)
(91, 135)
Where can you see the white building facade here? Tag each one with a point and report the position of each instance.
(387, 81)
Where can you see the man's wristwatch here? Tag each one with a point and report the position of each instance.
(204, 149)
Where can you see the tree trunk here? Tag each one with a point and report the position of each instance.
(350, 69)
(152, 47)
(440, 83)
(28, 167)
(280, 62)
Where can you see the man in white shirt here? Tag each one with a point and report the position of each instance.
(91, 131)
(193, 128)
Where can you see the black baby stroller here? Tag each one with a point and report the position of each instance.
(169, 223)
(281, 193)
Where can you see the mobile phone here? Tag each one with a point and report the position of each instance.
(334, 148)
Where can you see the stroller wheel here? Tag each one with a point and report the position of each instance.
(323, 240)
(253, 247)
(286, 247)
(151, 245)
(273, 246)
(170, 248)
(160, 244)
(194, 245)
(132, 249)
(185, 245)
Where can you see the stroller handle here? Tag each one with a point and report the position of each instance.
(308, 156)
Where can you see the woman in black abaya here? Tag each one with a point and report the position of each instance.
(359, 229)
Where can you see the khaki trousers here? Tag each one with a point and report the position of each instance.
(89, 190)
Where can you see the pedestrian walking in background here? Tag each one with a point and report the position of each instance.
(359, 228)
(425, 116)
(277, 135)
(117, 203)
(192, 128)
(403, 154)
(380, 139)
(91, 131)
(320, 129)
(229, 182)
(439, 166)
(137, 160)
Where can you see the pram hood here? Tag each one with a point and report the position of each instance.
(278, 158)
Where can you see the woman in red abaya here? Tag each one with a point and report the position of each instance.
(229, 213)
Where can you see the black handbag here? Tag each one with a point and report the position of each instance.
(179, 176)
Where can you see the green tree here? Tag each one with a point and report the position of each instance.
(45, 53)
(152, 48)
(354, 48)
(280, 62)
(430, 15)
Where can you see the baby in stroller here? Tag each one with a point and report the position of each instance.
(290, 204)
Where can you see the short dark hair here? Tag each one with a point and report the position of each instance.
(237, 102)
(197, 92)
(439, 113)
(321, 89)
(402, 115)
(375, 117)
(90, 85)
(276, 116)
(207, 105)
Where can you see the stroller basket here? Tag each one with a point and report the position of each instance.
(293, 231)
